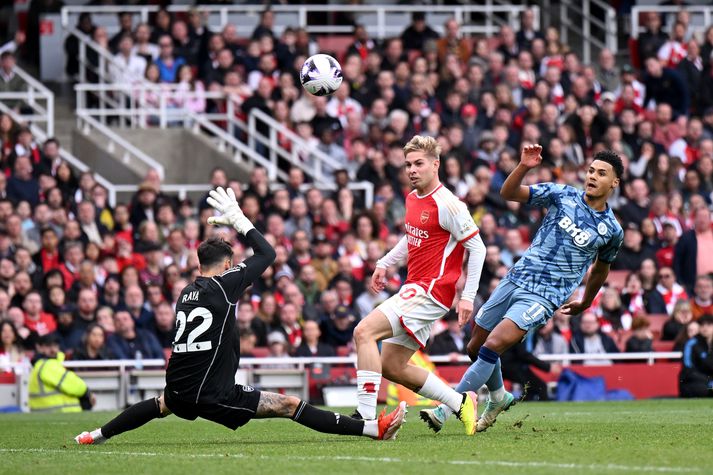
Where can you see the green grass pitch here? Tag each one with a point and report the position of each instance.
(656, 436)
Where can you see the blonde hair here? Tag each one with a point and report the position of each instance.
(420, 143)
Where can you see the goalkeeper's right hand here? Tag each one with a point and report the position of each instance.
(227, 205)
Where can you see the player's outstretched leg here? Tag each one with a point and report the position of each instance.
(395, 360)
(386, 427)
(132, 418)
(485, 370)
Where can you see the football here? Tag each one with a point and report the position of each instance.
(321, 75)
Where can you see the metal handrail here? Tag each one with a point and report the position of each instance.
(295, 140)
(636, 28)
(90, 121)
(301, 362)
(381, 29)
(35, 90)
(583, 10)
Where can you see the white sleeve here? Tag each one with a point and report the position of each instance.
(455, 218)
(476, 248)
(395, 255)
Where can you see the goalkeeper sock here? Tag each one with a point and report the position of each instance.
(332, 422)
(368, 383)
(132, 418)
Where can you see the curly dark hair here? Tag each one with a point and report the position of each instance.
(612, 159)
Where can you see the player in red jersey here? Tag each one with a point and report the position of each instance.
(438, 230)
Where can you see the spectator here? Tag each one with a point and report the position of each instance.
(136, 306)
(528, 31)
(143, 47)
(451, 341)
(516, 363)
(52, 387)
(696, 379)
(128, 67)
(68, 333)
(9, 80)
(265, 26)
(632, 252)
(651, 40)
(11, 345)
(681, 315)
(665, 86)
(126, 21)
(22, 186)
(167, 63)
(165, 324)
(638, 300)
(278, 348)
(418, 33)
(130, 342)
(547, 341)
(702, 300)
(311, 346)
(93, 345)
(590, 340)
(688, 263)
(37, 321)
(641, 339)
(87, 304)
(671, 291)
(338, 328)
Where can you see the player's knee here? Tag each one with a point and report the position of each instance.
(362, 333)
(473, 348)
(291, 405)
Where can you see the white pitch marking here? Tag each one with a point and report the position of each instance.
(500, 463)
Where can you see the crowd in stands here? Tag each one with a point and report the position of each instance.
(106, 278)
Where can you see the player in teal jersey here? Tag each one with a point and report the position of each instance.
(578, 230)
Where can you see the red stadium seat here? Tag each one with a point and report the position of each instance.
(657, 322)
(617, 278)
(261, 352)
(663, 346)
(335, 45)
(343, 350)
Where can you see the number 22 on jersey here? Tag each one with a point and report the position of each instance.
(191, 345)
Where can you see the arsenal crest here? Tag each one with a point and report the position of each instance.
(424, 216)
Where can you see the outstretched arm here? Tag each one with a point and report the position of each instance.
(597, 277)
(513, 189)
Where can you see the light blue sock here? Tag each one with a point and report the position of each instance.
(496, 378)
(480, 371)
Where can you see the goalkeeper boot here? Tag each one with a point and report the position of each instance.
(389, 424)
(94, 437)
(435, 418)
(493, 409)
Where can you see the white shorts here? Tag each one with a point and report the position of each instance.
(411, 313)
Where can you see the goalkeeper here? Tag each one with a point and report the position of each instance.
(200, 378)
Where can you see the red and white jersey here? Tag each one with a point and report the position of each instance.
(436, 226)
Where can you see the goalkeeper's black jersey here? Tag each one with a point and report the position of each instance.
(206, 346)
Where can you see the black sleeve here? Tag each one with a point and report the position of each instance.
(239, 278)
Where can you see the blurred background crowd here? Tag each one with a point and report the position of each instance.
(105, 279)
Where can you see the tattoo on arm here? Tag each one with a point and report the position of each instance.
(275, 405)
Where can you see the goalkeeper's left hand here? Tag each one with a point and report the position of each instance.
(227, 205)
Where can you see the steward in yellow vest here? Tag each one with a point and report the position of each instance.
(53, 388)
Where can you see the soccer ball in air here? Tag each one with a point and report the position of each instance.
(321, 75)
